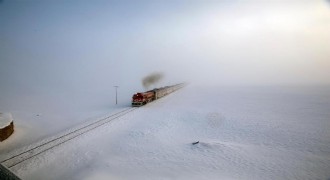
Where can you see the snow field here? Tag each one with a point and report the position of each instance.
(49, 143)
(243, 134)
(39, 115)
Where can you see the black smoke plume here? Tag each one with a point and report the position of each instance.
(151, 79)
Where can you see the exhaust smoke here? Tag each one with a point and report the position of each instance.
(151, 79)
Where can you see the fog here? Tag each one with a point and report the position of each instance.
(75, 45)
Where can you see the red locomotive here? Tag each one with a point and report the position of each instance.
(142, 98)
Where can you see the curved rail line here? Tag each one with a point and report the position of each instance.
(34, 151)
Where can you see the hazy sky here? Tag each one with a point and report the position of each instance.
(74, 43)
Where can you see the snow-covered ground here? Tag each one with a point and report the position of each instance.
(243, 133)
(40, 114)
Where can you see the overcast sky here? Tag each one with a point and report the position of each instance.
(74, 43)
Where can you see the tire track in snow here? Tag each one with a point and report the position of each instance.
(45, 146)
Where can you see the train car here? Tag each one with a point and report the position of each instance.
(161, 92)
(140, 99)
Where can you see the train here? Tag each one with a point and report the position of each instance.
(142, 98)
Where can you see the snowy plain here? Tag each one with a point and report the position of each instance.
(243, 133)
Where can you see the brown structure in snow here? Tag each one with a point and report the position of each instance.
(7, 127)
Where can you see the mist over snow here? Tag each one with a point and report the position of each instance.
(82, 44)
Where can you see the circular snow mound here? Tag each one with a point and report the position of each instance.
(6, 125)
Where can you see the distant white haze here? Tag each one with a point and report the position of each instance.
(99, 44)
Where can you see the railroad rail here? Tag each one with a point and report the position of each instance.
(54, 142)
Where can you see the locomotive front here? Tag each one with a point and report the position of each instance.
(140, 99)
(137, 99)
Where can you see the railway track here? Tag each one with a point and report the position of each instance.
(56, 141)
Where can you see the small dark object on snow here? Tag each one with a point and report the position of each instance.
(195, 142)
